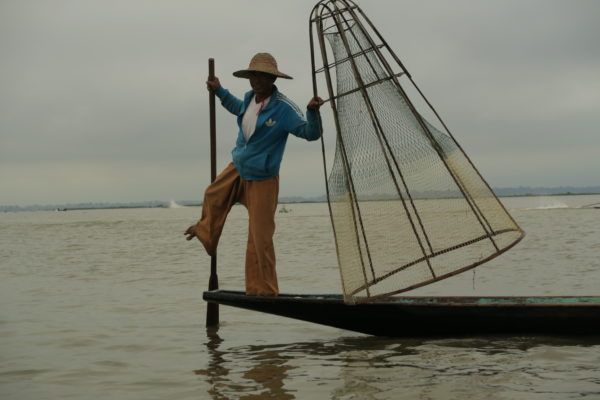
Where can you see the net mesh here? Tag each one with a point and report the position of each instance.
(407, 206)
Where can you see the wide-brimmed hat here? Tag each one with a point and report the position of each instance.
(261, 62)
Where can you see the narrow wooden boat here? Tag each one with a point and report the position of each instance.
(432, 316)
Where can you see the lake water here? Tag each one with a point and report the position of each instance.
(107, 304)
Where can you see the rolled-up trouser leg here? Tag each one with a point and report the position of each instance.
(261, 200)
(219, 197)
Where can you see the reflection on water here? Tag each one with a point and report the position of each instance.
(370, 367)
(266, 372)
(216, 373)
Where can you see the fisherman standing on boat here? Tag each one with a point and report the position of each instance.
(265, 118)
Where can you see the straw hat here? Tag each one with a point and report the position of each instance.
(262, 62)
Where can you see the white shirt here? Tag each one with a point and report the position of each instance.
(251, 115)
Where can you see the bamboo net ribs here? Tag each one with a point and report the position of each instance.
(407, 205)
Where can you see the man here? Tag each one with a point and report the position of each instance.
(265, 118)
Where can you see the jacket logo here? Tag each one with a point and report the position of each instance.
(270, 122)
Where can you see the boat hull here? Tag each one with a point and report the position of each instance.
(432, 316)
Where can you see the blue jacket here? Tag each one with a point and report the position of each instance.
(260, 157)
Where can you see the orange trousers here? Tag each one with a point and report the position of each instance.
(260, 199)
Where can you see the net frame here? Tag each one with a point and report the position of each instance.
(341, 17)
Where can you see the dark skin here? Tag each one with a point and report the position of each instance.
(263, 85)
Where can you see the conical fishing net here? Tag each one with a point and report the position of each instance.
(407, 205)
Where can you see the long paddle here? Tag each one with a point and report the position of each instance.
(212, 309)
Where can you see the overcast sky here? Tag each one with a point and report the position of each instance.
(105, 100)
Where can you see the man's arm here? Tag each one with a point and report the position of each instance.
(229, 101)
(309, 128)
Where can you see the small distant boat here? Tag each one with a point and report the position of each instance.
(174, 204)
(284, 210)
(595, 206)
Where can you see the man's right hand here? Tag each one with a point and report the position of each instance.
(213, 84)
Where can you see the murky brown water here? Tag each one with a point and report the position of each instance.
(108, 304)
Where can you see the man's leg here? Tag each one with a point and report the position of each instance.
(219, 197)
(261, 200)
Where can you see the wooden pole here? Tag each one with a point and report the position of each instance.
(212, 309)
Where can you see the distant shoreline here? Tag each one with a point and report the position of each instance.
(550, 194)
(502, 193)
